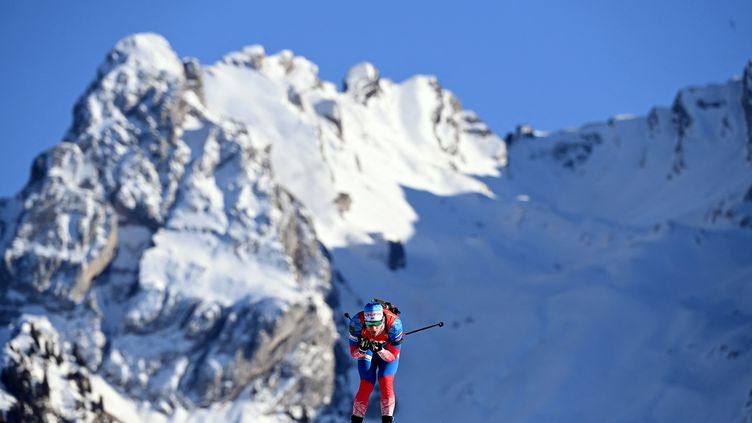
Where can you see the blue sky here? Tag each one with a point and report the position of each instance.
(555, 64)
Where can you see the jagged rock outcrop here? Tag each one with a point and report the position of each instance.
(46, 379)
(189, 276)
(67, 232)
(128, 123)
(362, 82)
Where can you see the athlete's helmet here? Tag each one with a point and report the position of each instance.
(373, 314)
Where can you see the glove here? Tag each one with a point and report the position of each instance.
(376, 347)
(364, 345)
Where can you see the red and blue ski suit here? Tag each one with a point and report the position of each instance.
(383, 364)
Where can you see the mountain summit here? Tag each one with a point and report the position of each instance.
(185, 252)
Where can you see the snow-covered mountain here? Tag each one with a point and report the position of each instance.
(185, 254)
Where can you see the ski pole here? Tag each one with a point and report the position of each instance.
(440, 324)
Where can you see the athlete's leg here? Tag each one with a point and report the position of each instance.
(386, 374)
(367, 372)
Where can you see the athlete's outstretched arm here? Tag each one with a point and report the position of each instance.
(354, 338)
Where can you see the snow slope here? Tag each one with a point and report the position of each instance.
(601, 276)
(608, 279)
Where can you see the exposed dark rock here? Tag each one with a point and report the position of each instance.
(705, 104)
(251, 57)
(21, 378)
(256, 340)
(653, 120)
(362, 82)
(445, 118)
(294, 98)
(572, 155)
(682, 121)
(299, 239)
(329, 110)
(522, 131)
(343, 202)
(397, 258)
(747, 106)
(65, 196)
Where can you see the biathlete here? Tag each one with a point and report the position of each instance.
(375, 338)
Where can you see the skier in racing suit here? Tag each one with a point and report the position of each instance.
(375, 338)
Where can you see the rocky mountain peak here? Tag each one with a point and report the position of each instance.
(146, 53)
(157, 227)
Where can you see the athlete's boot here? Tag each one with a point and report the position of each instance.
(356, 419)
(387, 419)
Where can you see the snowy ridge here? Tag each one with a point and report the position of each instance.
(345, 155)
(184, 254)
(685, 164)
